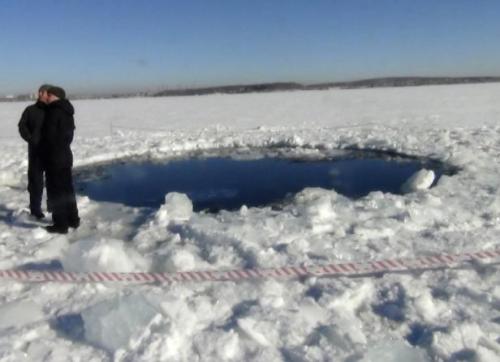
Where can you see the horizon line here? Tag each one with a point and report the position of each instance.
(332, 83)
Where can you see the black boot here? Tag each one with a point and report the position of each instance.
(74, 223)
(57, 229)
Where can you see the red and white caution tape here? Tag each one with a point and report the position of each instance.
(336, 269)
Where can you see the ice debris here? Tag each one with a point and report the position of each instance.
(420, 180)
(106, 255)
(19, 313)
(115, 323)
(177, 207)
(395, 351)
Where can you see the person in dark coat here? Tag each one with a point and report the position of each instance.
(57, 135)
(30, 129)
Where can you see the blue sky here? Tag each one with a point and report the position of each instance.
(112, 45)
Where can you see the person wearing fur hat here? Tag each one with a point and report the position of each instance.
(57, 135)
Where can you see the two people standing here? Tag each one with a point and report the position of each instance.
(48, 127)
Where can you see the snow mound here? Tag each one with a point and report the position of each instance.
(420, 180)
(177, 207)
(116, 323)
(103, 255)
(181, 259)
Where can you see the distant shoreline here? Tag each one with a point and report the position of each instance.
(364, 83)
(290, 86)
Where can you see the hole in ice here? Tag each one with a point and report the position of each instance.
(220, 182)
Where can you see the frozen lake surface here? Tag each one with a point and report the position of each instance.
(439, 315)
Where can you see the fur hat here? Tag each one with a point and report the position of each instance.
(57, 91)
(45, 87)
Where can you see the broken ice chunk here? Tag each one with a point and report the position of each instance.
(420, 180)
(177, 207)
(395, 351)
(113, 324)
(19, 313)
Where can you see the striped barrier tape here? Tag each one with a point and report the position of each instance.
(336, 269)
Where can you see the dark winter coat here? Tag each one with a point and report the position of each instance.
(57, 134)
(31, 124)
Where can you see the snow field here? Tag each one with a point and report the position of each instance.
(430, 316)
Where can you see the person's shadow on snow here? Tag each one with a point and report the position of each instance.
(8, 216)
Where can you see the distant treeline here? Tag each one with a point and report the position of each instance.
(288, 86)
(405, 82)
(231, 89)
(18, 98)
(365, 83)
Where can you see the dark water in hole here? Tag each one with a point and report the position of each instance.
(224, 183)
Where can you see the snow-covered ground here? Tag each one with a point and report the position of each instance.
(445, 315)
